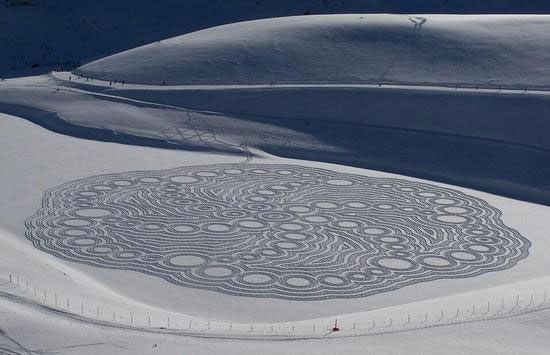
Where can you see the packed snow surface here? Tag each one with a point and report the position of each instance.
(444, 49)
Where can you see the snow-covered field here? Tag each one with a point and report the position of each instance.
(242, 188)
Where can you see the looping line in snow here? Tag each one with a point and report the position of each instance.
(280, 231)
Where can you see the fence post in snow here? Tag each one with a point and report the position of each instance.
(373, 325)
(68, 303)
(97, 312)
(440, 317)
(82, 307)
(425, 319)
(10, 279)
(190, 323)
(515, 307)
(488, 309)
(530, 302)
(131, 318)
(149, 320)
(544, 299)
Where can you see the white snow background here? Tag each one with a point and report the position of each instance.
(455, 101)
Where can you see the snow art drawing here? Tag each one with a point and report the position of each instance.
(282, 231)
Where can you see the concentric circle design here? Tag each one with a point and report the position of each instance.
(281, 231)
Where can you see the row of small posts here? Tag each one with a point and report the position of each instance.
(349, 327)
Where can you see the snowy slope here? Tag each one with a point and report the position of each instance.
(494, 51)
(63, 33)
(489, 140)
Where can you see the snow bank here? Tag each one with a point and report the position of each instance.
(497, 50)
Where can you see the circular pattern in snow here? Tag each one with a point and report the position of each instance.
(281, 231)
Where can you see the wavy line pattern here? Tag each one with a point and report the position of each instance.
(280, 231)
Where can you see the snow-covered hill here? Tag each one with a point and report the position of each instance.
(39, 35)
(511, 51)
